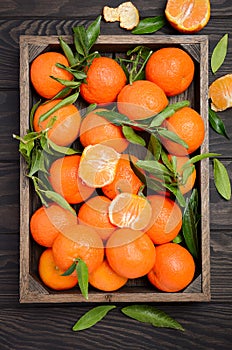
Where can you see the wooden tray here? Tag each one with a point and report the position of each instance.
(32, 289)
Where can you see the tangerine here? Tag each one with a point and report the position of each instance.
(42, 68)
(189, 126)
(141, 99)
(125, 179)
(166, 219)
(106, 279)
(51, 274)
(105, 79)
(94, 213)
(65, 180)
(188, 16)
(66, 125)
(171, 68)
(130, 253)
(174, 268)
(98, 165)
(130, 210)
(78, 241)
(47, 222)
(96, 129)
(220, 93)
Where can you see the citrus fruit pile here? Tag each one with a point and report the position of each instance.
(118, 227)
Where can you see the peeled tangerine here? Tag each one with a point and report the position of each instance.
(126, 13)
(220, 93)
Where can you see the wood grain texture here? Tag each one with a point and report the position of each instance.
(116, 331)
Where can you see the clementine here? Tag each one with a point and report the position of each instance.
(174, 268)
(220, 93)
(65, 180)
(106, 279)
(130, 253)
(78, 241)
(66, 125)
(166, 219)
(94, 213)
(105, 78)
(42, 68)
(141, 100)
(189, 126)
(171, 68)
(51, 274)
(47, 223)
(96, 129)
(188, 16)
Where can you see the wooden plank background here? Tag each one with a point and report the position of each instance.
(208, 325)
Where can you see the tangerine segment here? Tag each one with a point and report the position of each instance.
(105, 78)
(65, 180)
(141, 100)
(125, 179)
(42, 68)
(96, 129)
(174, 268)
(47, 223)
(188, 16)
(51, 275)
(98, 165)
(130, 253)
(106, 279)
(94, 213)
(130, 210)
(78, 241)
(172, 69)
(166, 219)
(66, 125)
(220, 92)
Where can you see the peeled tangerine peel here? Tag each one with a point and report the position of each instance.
(126, 13)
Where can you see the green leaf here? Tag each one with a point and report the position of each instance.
(219, 53)
(65, 102)
(149, 314)
(199, 157)
(70, 270)
(154, 148)
(63, 150)
(32, 113)
(172, 136)
(68, 83)
(221, 179)
(67, 51)
(186, 173)
(178, 239)
(217, 124)
(153, 167)
(168, 112)
(81, 40)
(131, 136)
(115, 117)
(175, 190)
(93, 32)
(149, 25)
(91, 317)
(83, 276)
(35, 161)
(189, 224)
(56, 197)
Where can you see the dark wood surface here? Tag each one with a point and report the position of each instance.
(208, 325)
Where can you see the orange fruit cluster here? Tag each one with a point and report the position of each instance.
(119, 232)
